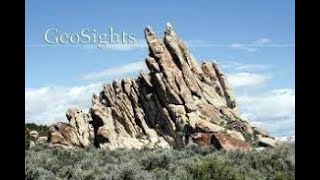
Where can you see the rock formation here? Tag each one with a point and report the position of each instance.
(77, 133)
(33, 137)
(42, 139)
(177, 103)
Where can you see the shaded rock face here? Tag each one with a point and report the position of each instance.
(177, 103)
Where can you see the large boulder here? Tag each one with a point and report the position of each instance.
(33, 137)
(235, 134)
(77, 133)
(222, 141)
(258, 131)
(267, 141)
(42, 139)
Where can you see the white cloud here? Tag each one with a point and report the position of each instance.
(116, 71)
(48, 105)
(243, 47)
(237, 66)
(246, 79)
(251, 47)
(262, 41)
(273, 110)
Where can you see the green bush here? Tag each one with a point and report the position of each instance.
(189, 163)
(213, 169)
(31, 172)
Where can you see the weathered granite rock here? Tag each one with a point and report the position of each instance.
(222, 141)
(202, 139)
(80, 121)
(178, 102)
(206, 126)
(259, 131)
(42, 139)
(76, 133)
(33, 137)
(236, 135)
(267, 141)
(63, 135)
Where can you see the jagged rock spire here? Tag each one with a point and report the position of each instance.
(177, 103)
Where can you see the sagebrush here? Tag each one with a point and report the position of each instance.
(189, 163)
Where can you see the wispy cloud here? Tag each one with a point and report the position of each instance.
(116, 71)
(139, 43)
(245, 79)
(243, 47)
(237, 66)
(243, 75)
(251, 47)
(262, 41)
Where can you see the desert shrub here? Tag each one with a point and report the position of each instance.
(283, 176)
(161, 174)
(45, 174)
(181, 174)
(188, 163)
(156, 160)
(128, 171)
(193, 149)
(31, 172)
(213, 169)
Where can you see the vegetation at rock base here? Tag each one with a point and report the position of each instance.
(41, 129)
(193, 162)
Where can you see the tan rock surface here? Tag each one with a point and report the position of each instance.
(176, 103)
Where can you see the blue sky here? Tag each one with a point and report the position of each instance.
(258, 52)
